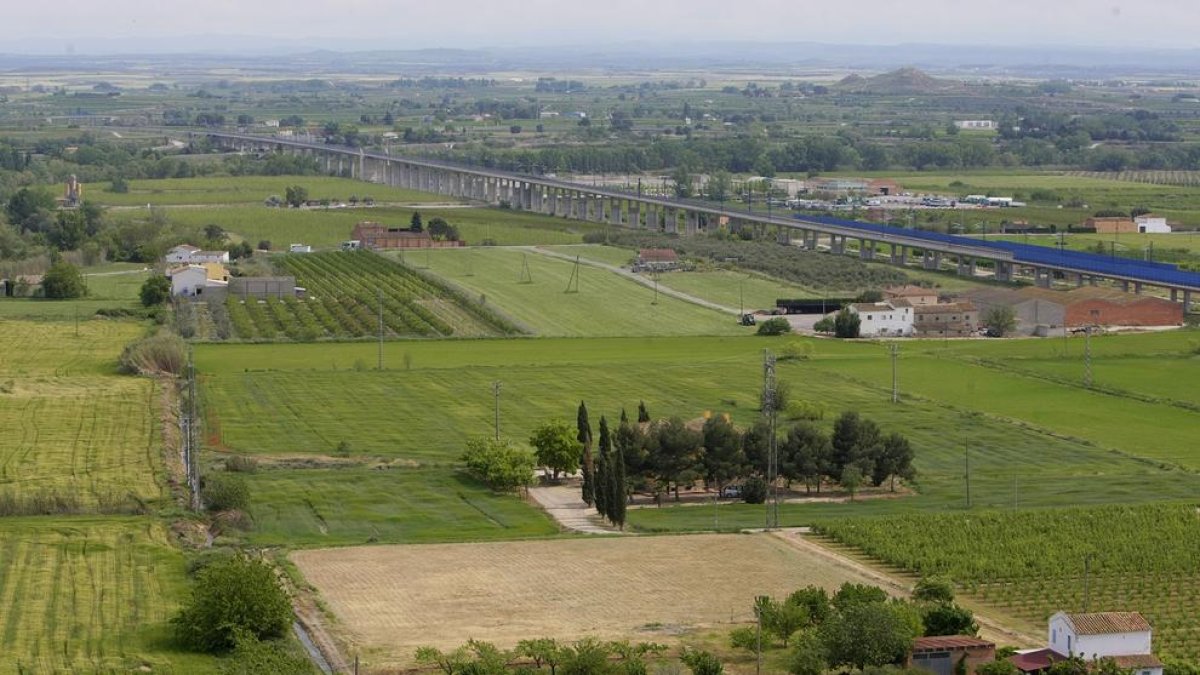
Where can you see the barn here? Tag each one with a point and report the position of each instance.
(1044, 311)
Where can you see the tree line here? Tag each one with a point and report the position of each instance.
(662, 456)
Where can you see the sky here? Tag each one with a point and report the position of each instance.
(173, 25)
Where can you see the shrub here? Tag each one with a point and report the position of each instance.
(232, 599)
(198, 562)
(754, 490)
(499, 463)
(264, 245)
(252, 656)
(226, 492)
(825, 325)
(774, 326)
(163, 353)
(155, 291)
(846, 324)
(701, 662)
(63, 280)
(744, 638)
(241, 464)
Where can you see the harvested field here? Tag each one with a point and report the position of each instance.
(392, 599)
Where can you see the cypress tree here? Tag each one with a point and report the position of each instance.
(616, 488)
(624, 417)
(643, 415)
(603, 469)
(588, 468)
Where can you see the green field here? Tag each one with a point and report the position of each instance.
(353, 506)
(274, 412)
(73, 427)
(247, 190)
(1031, 564)
(90, 595)
(327, 228)
(606, 304)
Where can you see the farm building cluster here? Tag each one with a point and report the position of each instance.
(203, 274)
(913, 311)
(1125, 638)
(377, 236)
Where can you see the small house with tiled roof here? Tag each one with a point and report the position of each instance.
(1124, 637)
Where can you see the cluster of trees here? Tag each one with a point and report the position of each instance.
(858, 627)
(588, 656)
(664, 455)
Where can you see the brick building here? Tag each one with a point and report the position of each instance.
(1044, 311)
(379, 236)
(947, 319)
(1111, 225)
(942, 654)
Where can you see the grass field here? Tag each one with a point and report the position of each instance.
(89, 595)
(247, 190)
(348, 506)
(1126, 244)
(606, 304)
(326, 228)
(392, 599)
(1034, 460)
(49, 348)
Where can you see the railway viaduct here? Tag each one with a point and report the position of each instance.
(553, 197)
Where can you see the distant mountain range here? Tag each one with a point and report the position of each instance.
(200, 52)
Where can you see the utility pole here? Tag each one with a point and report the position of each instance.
(1087, 357)
(770, 405)
(496, 398)
(967, 467)
(379, 365)
(894, 348)
(1087, 559)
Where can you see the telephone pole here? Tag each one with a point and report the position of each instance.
(967, 467)
(770, 407)
(379, 365)
(496, 398)
(894, 348)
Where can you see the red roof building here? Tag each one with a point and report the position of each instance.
(942, 654)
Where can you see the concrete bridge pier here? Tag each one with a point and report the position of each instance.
(1004, 271)
(671, 220)
(1124, 286)
(614, 211)
(1137, 287)
(635, 214)
(931, 260)
(1187, 301)
(899, 254)
(691, 222)
(837, 244)
(866, 249)
(1042, 277)
(966, 266)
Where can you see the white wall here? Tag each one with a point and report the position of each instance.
(1152, 225)
(178, 255)
(884, 320)
(185, 282)
(1113, 644)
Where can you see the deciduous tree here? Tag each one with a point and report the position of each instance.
(556, 448)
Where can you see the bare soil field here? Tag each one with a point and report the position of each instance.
(391, 599)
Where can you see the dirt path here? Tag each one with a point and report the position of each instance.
(638, 278)
(565, 506)
(989, 628)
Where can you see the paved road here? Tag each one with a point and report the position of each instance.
(564, 505)
(641, 279)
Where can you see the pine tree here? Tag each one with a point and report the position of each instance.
(616, 488)
(603, 468)
(584, 436)
(624, 417)
(643, 416)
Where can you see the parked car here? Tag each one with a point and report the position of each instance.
(732, 491)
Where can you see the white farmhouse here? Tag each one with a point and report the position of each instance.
(192, 280)
(182, 254)
(884, 319)
(1149, 224)
(1124, 637)
(300, 248)
(201, 257)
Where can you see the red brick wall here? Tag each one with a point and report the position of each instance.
(1144, 312)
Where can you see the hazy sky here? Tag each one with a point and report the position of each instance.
(139, 25)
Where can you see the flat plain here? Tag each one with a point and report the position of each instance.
(393, 599)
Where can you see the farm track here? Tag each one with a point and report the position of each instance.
(638, 278)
